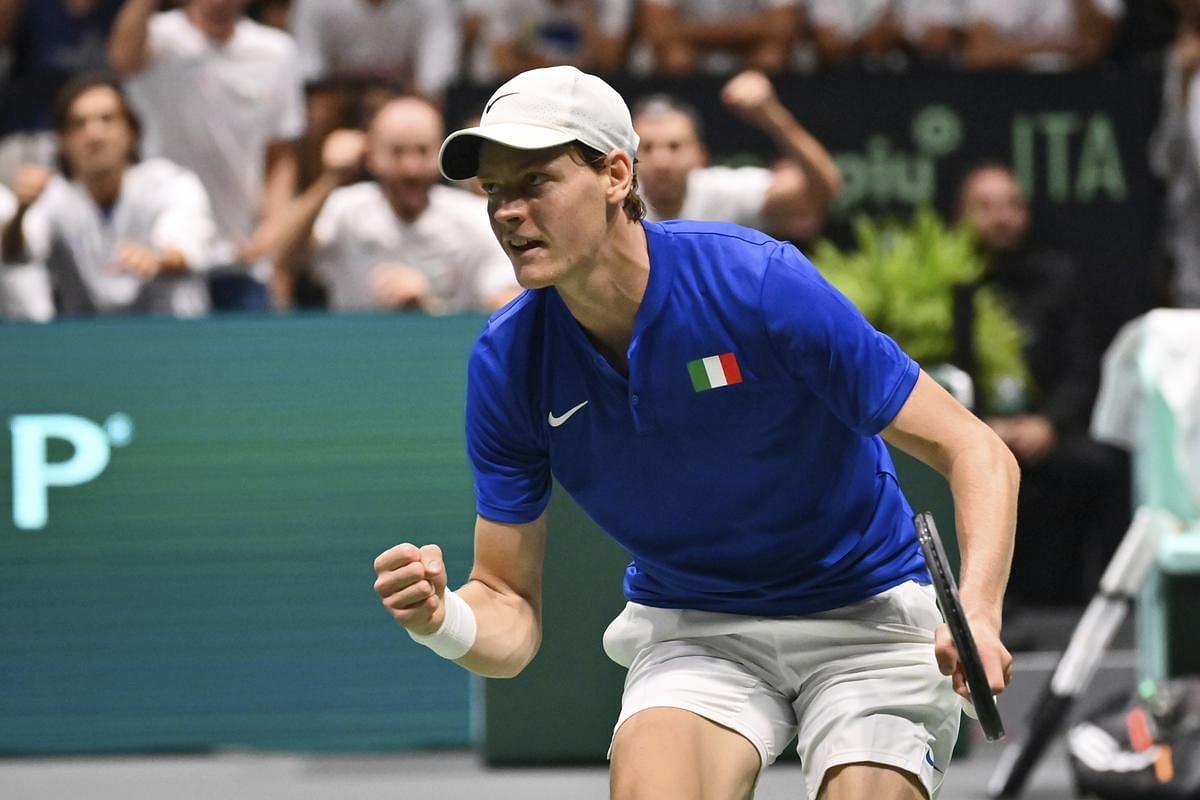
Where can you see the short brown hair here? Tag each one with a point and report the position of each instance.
(634, 206)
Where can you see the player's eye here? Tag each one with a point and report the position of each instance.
(490, 189)
(536, 178)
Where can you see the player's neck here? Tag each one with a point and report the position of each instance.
(668, 207)
(408, 209)
(104, 187)
(606, 298)
(214, 29)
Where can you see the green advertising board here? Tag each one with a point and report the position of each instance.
(189, 518)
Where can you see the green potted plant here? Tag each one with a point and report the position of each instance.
(904, 276)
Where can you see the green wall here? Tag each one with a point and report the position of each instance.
(212, 586)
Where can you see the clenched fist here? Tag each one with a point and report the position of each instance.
(29, 184)
(342, 153)
(411, 583)
(138, 260)
(749, 94)
(400, 286)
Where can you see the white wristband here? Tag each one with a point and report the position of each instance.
(457, 634)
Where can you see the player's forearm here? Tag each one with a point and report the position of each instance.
(173, 261)
(796, 144)
(129, 42)
(296, 226)
(984, 480)
(12, 239)
(283, 171)
(508, 631)
(278, 191)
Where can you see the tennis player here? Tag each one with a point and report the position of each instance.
(719, 410)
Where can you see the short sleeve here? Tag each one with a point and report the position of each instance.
(329, 219)
(304, 23)
(509, 459)
(1119, 400)
(290, 123)
(327, 233)
(161, 42)
(439, 47)
(824, 342)
(729, 194)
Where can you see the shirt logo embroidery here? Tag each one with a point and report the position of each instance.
(556, 421)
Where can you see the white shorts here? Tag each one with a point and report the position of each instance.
(857, 684)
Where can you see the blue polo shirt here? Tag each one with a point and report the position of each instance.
(738, 463)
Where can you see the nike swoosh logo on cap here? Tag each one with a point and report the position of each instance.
(556, 421)
(497, 100)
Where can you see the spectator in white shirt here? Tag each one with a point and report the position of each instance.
(719, 36)
(400, 240)
(1039, 34)
(879, 28)
(413, 44)
(223, 96)
(791, 200)
(356, 54)
(116, 235)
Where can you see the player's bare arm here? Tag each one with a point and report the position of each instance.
(29, 185)
(983, 474)
(129, 42)
(341, 159)
(504, 592)
(751, 96)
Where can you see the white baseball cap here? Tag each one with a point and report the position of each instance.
(543, 108)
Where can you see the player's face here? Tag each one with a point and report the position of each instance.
(97, 137)
(402, 149)
(994, 207)
(668, 152)
(549, 211)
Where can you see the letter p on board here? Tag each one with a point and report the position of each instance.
(34, 474)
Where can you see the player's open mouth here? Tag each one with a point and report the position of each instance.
(522, 245)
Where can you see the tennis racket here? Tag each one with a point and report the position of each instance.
(956, 619)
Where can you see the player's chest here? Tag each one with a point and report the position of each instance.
(705, 386)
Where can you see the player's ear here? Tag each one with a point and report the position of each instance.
(619, 173)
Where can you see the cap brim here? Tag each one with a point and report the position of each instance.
(459, 156)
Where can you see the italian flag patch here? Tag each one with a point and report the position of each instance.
(714, 372)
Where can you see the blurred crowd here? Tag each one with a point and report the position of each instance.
(185, 157)
(220, 155)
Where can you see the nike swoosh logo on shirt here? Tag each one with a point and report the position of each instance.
(556, 421)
